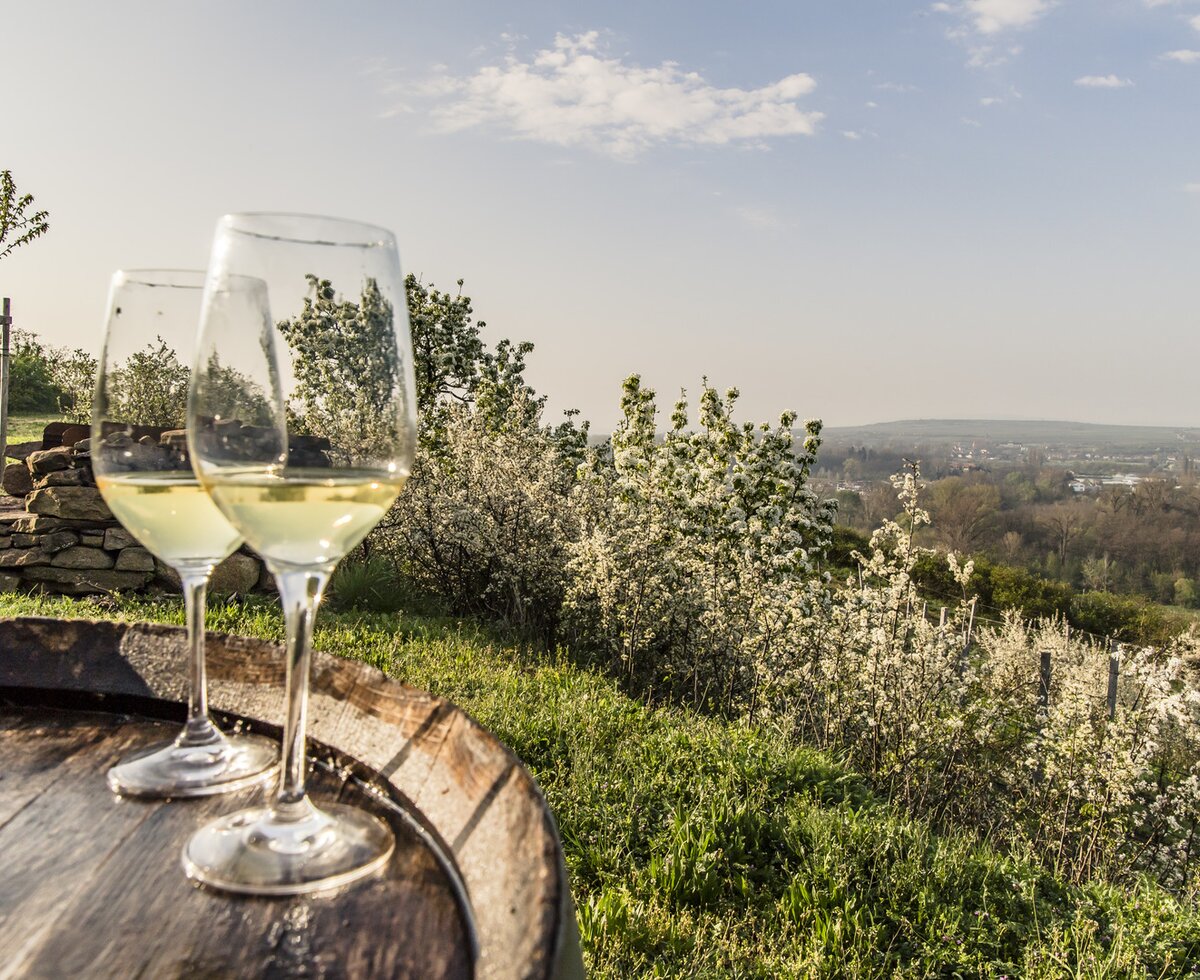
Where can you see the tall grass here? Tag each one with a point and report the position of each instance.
(26, 428)
(703, 848)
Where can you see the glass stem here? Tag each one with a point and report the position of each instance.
(300, 591)
(199, 729)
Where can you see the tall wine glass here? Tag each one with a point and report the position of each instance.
(305, 325)
(143, 471)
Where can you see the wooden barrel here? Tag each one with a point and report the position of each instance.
(91, 885)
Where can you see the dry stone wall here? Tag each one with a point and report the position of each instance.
(58, 535)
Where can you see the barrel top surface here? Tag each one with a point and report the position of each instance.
(93, 884)
(478, 851)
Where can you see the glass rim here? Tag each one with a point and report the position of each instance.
(297, 228)
(161, 278)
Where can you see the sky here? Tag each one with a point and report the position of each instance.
(859, 210)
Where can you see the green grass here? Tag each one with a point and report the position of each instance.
(26, 428)
(699, 848)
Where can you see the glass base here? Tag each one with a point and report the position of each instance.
(289, 850)
(176, 769)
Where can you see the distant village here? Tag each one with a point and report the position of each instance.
(1090, 470)
(1090, 466)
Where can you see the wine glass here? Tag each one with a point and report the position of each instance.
(305, 327)
(143, 471)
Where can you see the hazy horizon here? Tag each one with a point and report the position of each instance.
(1006, 418)
(966, 209)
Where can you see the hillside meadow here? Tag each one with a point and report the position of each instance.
(699, 847)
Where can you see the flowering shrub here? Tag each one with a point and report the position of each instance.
(484, 522)
(1095, 795)
(697, 559)
(958, 727)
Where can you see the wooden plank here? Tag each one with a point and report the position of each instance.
(108, 898)
(29, 765)
(56, 844)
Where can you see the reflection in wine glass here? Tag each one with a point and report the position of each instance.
(142, 468)
(313, 313)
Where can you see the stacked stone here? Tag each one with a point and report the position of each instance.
(67, 540)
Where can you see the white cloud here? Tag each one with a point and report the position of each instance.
(1183, 56)
(990, 55)
(993, 16)
(871, 105)
(1192, 188)
(1013, 95)
(1195, 22)
(758, 217)
(983, 25)
(996, 16)
(852, 134)
(900, 88)
(1103, 81)
(574, 94)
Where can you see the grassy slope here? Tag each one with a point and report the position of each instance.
(702, 849)
(26, 428)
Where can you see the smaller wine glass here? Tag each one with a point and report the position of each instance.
(140, 459)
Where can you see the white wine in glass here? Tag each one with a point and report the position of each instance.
(148, 483)
(302, 426)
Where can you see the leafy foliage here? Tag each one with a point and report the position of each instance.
(349, 379)
(233, 393)
(1141, 540)
(18, 228)
(367, 584)
(149, 388)
(74, 374)
(31, 382)
(447, 349)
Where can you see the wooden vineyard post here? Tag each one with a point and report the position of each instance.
(1044, 683)
(1043, 703)
(966, 649)
(1114, 669)
(5, 324)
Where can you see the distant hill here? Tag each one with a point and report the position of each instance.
(926, 432)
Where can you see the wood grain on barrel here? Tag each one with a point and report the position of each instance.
(92, 884)
(472, 799)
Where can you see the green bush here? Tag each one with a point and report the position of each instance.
(31, 388)
(842, 545)
(1014, 588)
(368, 585)
(1129, 619)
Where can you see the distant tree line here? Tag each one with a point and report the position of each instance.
(1142, 540)
(50, 379)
